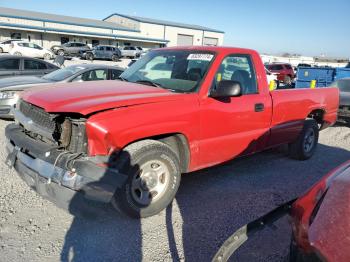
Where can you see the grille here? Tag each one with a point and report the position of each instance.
(37, 115)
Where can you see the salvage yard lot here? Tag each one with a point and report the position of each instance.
(210, 205)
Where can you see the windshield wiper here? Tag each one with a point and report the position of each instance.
(148, 82)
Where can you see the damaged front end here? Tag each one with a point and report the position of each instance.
(49, 151)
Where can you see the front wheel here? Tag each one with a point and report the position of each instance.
(18, 53)
(153, 178)
(304, 147)
(89, 56)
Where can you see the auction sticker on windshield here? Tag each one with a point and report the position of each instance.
(202, 57)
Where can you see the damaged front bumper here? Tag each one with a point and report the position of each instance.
(60, 175)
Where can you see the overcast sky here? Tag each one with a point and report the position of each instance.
(309, 27)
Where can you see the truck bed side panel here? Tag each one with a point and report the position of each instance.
(291, 107)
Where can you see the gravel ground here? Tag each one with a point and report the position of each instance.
(210, 206)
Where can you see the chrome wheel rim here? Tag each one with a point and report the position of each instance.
(150, 182)
(309, 140)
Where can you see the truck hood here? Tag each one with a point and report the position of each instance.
(16, 83)
(89, 97)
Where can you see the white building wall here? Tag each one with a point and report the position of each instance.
(219, 36)
(152, 31)
(171, 34)
(146, 34)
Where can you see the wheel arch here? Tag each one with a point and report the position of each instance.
(318, 116)
(178, 142)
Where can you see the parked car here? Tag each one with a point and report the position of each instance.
(285, 72)
(11, 65)
(319, 219)
(130, 51)
(102, 52)
(22, 48)
(70, 49)
(6, 45)
(10, 88)
(127, 142)
(344, 101)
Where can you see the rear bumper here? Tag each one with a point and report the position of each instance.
(59, 175)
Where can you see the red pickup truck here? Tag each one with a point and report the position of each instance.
(174, 111)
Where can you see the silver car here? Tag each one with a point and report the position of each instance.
(130, 51)
(11, 65)
(10, 88)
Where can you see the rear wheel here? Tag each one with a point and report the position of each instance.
(304, 147)
(115, 58)
(1, 50)
(153, 178)
(287, 80)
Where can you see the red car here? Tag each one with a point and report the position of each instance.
(285, 72)
(175, 111)
(320, 222)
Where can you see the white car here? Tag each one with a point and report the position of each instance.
(130, 51)
(6, 45)
(31, 50)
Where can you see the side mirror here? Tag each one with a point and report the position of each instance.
(227, 88)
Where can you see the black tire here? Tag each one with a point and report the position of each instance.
(89, 56)
(115, 58)
(287, 80)
(130, 162)
(60, 52)
(1, 50)
(303, 148)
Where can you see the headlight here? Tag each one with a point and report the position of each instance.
(8, 94)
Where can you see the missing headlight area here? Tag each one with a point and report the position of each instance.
(66, 131)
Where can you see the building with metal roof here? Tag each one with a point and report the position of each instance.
(117, 29)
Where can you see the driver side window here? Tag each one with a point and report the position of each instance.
(238, 68)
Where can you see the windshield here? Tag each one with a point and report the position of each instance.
(61, 74)
(179, 70)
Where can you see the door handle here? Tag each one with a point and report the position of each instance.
(259, 107)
